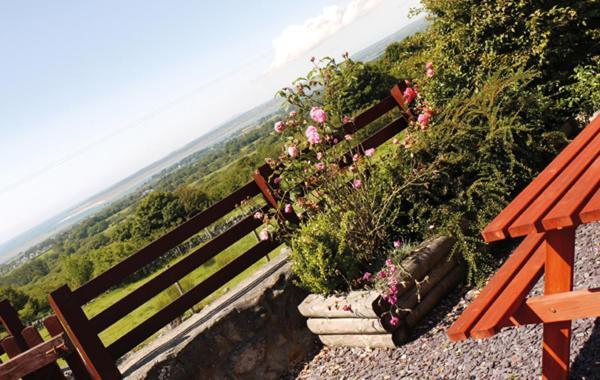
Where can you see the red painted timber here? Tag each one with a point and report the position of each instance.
(512, 297)
(461, 328)
(591, 211)
(566, 306)
(560, 252)
(497, 229)
(565, 212)
(530, 220)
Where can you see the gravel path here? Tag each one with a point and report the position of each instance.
(515, 353)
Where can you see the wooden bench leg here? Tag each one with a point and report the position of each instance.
(560, 252)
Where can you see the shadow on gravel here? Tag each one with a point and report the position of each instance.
(439, 313)
(587, 363)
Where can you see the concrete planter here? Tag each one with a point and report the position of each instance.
(359, 318)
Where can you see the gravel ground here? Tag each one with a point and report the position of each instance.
(515, 353)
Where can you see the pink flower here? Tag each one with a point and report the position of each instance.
(395, 141)
(347, 308)
(264, 234)
(394, 321)
(423, 119)
(389, 263)
(277, 180)
(397, 244)
(430, 73)
(293, 114)
(429, 65)
(320, 166)
(356, 157)
(312, 135)
(288, 208)
(367, 276)
(382, 274)
(258, 215)
(346, 119)
(370, 152)
(409, 95)
(319, 155)
(318, 115)
(392, 299)
(335, 140)
(293, 151)
(279, 126)
(348, 137)
(357, 184)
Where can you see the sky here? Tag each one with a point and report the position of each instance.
(92, 91)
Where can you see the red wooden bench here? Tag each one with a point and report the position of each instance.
(565, 194)
(32, 358)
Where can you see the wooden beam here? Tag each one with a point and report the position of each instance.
(560, 252)
(461, 328)
(35, 358)
(566, 306)
(512, 297)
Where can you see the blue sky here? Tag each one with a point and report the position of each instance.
(92, 91)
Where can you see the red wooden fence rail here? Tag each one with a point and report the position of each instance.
(84, 332)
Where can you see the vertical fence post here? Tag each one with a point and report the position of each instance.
(73, 360)
(13, 325)
(560, 252)
(100, 364)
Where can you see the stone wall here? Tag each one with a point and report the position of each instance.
(261, 336)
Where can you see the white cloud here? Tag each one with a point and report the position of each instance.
(295, 40)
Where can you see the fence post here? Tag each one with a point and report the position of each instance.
(100, 364)
(50, 371)
(13, 325)
(73, 360)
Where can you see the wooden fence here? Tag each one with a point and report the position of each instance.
(84, 332)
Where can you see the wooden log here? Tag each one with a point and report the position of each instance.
(327, 326)
(365, 340)
(361, 305)
(439, 291)
(423, 260)
(411, 298)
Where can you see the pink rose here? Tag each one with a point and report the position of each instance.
(397, 244)
(429, 65)
(319, 155)
(312, 135)
(356, 157)
(293, 151)
(279, 126)
(293, 114)
(258, 215)
(423, 119)
(395, 141)
(367, 276)
(389, 262)
(370, 152)
(264, 235)
(348, 137)
(288, 208)
(320, 166)
(347, 119)
(394, 321)
(318, 115)
(277, 180)
(409, 95)
(357, 184)
(430, 73)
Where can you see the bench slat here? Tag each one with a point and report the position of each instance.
(564, 214)
(529, 220)
(498, 228)
(591, 211)
(513, 296)
(460, 329)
